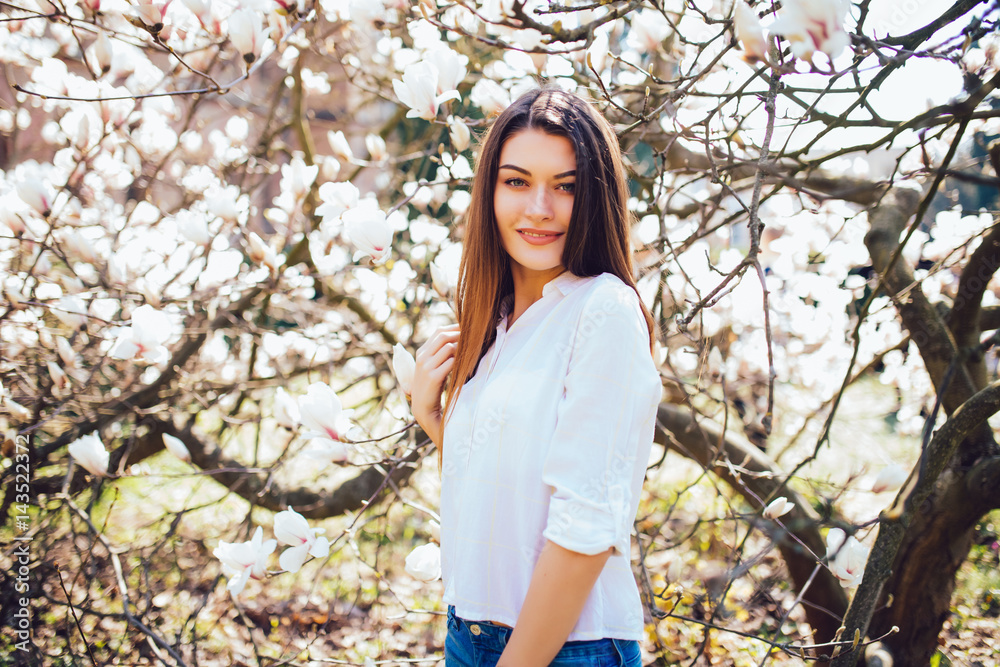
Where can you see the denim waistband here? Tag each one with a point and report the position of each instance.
(480, 644)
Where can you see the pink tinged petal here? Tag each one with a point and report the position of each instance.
(750, 33)
(891, 478)
(370, 232)
(124, 347)
(291, 528)
(320, 409)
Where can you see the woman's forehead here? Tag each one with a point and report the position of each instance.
(543, 150)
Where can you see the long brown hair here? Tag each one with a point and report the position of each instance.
(597, 240)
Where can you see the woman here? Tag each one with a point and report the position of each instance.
(548, 424)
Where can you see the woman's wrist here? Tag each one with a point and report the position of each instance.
(431, 425)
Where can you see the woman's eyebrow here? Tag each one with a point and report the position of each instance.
(565, 174)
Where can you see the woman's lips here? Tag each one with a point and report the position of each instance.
(539, 236)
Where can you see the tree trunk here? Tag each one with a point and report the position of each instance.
(923, 577)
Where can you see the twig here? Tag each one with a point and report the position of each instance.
(69, 603)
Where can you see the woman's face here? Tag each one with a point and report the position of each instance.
(533, 200)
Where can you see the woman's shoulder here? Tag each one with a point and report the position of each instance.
(607, 302)
(608, 291)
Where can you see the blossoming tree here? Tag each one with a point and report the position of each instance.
(223, 225)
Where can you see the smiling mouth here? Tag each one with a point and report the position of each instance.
(532, 233)
(539, 236)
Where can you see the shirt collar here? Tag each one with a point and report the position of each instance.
(565, 282)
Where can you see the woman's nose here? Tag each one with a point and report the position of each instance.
(540, 205)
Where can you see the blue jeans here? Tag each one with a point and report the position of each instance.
(480, 643)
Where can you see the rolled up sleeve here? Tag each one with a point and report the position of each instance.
(597, 457)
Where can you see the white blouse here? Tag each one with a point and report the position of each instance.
(550, 440)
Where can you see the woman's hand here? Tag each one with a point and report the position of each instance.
(434, 361)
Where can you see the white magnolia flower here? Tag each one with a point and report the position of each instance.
(102, 53)
(489, 96)
(778, 507)
(599, 52)
(750, 33)
(261, 253)
(813, 25)
(9, 217)
(647, 30)
(89, 452)
(834, 540)
(38, 194)
(247, 33)
(337, 198)
(16, 410)
(286, 412)
(439, 281)
(424, 562)
(326, 450)
(71, 311)
(376, 148)
(321, 413)
(340, 146)
(224, 203)
(145, 338)
(198, 7)
(151, 13)
(369, 231)
(242, 560)
(403, 366)
(418, 90)
(291, 528)
(452, 68)
(849, 565)
(846, 556)
(891, 478)
(459, 134)
(78, 246)
(194, 227)
(65, 352)
(60, 380)
(176, 447)
(297, 177)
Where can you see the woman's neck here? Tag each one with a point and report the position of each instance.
(528, 286)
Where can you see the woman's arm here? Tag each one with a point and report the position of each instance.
(560, 584)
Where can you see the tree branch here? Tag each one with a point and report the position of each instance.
(963, 320)
(752, 474)
(355, 494)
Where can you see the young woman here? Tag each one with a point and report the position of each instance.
(548, 423)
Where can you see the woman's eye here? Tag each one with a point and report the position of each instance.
(515, 182)
(568, 187)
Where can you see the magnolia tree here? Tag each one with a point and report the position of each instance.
(226, 225)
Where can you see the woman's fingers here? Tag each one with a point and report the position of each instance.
(434, 360)
(440, 338)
